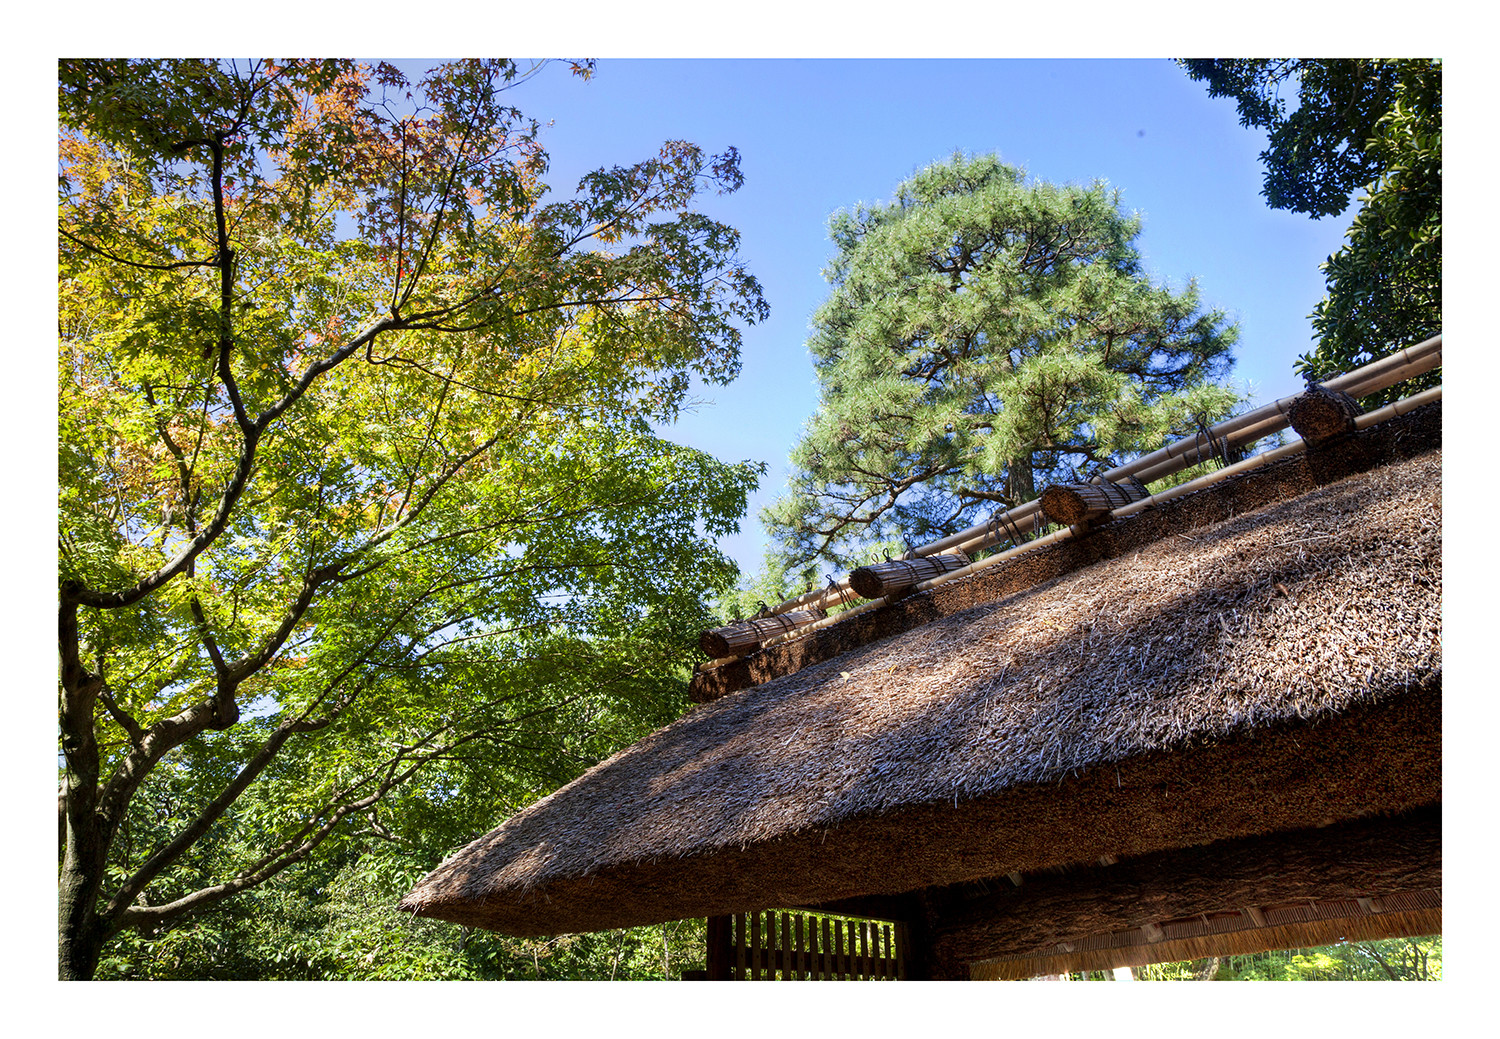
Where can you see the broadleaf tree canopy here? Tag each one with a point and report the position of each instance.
(1356, 125)
(985, 335)
(362, 507)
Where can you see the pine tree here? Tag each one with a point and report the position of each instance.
(985, 336)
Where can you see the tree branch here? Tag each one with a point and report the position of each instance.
(189, 835)
(210, 262)
(287, 854)
(77, 592)
(966, 492)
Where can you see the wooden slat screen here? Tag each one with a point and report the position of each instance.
(774, 945)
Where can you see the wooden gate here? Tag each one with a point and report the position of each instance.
(783, 945)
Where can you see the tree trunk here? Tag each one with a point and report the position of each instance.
(80, 932)
(80, 935)
(1209, 969)
(1021, 480)
(80, 938)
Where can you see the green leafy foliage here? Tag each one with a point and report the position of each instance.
(335, 920)
(1316, 154)
(1389, 959)
(365, 531)
(985, 335)
(1357, 124)
(1385, 286)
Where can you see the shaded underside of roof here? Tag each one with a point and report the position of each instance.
(1232, 934)
(1276, 670)
(1379, 876)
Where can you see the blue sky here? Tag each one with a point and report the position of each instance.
(819, 135)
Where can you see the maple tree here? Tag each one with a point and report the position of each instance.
(360, 495)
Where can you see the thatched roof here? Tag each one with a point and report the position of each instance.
(1276, 670)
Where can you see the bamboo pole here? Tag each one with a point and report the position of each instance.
(975, 534)
(1391, 369)
(1235, 432)
(1398, 408)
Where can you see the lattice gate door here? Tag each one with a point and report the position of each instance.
(774, 945)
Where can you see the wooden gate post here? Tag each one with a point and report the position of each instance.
(720, 948)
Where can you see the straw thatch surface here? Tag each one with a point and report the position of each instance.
(1279, 669)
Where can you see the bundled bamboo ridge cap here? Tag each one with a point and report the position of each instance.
(734, 640)
(894, 575)
(1073, 503)
(1322, 414)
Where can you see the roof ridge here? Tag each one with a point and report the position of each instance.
(1389, 435)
